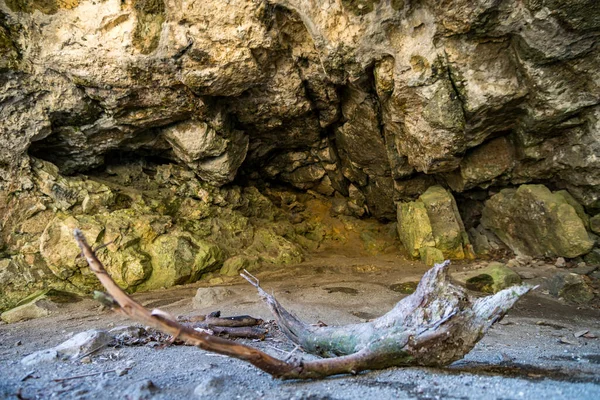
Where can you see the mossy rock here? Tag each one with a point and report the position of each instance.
(432, 221)
(177, 258)
(234, 265)
(274, 249)
(595, 224)
(446, 224)
(494, 278)
(533, 221)
(414, 227)
(431, 256)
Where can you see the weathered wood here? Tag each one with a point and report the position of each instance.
(436, 325)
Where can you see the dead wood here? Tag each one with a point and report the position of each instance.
(246, 332)
(211, 320)
(434, 326)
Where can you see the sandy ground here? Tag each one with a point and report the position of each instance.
(531, 354)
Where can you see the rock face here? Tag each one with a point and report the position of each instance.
(432, 221)
(322, 95)
(369, 102)
(533, 221)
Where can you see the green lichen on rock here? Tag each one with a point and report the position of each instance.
(432, 221)
(431, 256)
(576, 206)
(493, 278)
(446, 223)
(150, 19)
(532, 220)
(414, 227)
(444, 110)
(359, 7)
(9, 54)
(595, 224)
(178, 257)
(44, 6)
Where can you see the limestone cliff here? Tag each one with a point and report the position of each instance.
(367, 101)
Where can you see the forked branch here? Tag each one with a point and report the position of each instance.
(434, 326)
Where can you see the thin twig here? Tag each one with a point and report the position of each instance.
(83, 376)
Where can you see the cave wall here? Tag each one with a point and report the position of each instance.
(327, 95)
(368, 102)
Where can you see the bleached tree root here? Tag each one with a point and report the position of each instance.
(436, 325)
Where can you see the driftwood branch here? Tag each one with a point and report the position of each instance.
(434, 326)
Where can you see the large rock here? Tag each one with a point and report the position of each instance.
(432, 221)
(179, 258)
(533, 221)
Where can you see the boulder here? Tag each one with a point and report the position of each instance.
(531, 220)
(233, 265)
(80, 344)
(178, 257)
(38, 307)
(483, 165)
(571, 287)
(432, 221)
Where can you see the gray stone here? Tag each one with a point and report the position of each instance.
(84, 342)
(572, 287)
(39, 306)
(593, 257)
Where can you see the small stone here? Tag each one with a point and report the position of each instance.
(524, 260)
(18, 343)
(86, 360)
(560, 262)
(84, 342)
(210, 296)
(581, 333)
